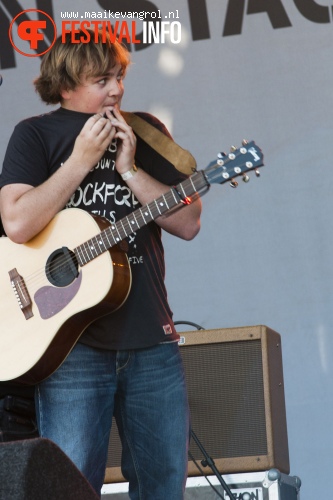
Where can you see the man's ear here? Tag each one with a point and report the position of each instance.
(65, 94)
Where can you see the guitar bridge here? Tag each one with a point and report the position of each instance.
(21, 293)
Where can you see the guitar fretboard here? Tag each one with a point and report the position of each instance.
(117, 232)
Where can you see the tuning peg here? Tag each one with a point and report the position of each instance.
(257, 173)
(245, 178)
(233, 183)
(245, 142)
(220, 158)
(233, 149)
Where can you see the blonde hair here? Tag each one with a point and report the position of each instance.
(63, 65)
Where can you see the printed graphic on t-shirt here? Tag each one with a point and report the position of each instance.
(103, 193)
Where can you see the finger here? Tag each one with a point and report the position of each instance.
(109, 114)
(92, 121)
(93, 125)
(103, 128)
(107, 133)
(100, 125)
(118, 120)
(126, 141)
(118, 115)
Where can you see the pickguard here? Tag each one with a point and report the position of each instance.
(50, 300)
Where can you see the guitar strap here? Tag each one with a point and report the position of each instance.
(166, 147)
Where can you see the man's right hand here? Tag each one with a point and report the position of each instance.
(91, 143)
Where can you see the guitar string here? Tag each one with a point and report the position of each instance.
(168, 196)
(39, 276)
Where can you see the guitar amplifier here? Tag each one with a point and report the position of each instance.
(236, 396)
(264, 485)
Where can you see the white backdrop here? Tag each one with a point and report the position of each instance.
(263, 255)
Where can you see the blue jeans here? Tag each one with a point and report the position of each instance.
(145, 390)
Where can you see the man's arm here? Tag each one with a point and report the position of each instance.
(26, 210)
(184, 223)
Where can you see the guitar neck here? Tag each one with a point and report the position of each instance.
(117, 232)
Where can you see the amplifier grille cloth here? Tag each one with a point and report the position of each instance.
(226, 395)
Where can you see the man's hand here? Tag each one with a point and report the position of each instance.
(126, 143)
(91, 143)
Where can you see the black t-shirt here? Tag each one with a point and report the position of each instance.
(37, 148)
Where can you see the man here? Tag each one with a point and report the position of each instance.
(127, 363)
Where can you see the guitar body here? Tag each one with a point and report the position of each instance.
(32, 346)
(74, 272)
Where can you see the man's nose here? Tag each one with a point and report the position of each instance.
(115, 87)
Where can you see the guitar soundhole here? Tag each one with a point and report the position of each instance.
(62, 267)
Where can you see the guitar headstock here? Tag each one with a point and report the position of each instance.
(237, 163)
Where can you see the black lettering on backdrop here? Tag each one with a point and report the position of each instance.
(234, 18)
(275, 11)
(129, 6)
(199, 19)
(7, 56)
(233, 23)
(13, 7)
(312, 11)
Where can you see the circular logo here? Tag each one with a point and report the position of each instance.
(30, 34)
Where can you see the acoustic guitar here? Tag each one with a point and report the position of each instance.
(75, 271)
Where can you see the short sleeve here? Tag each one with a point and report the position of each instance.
(25, 159)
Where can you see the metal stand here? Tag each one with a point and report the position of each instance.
(209, 462)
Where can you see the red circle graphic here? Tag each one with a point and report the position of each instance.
(15, 20)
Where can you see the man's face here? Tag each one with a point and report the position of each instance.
(96, 94)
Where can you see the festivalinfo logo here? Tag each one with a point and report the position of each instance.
(28, 36)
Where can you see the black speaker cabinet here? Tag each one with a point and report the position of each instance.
(35, 469)
(236, 395)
